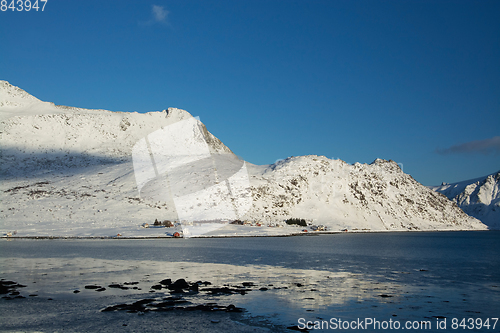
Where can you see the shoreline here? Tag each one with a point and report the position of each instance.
(301, 234)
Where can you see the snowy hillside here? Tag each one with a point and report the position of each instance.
(75, 172)
(378, 196)
(477, 197)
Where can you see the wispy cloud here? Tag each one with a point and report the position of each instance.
(487, 146)
(160, 14)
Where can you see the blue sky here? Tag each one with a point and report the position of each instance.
(417, 82)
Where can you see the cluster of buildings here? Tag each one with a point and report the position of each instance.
(173, 224)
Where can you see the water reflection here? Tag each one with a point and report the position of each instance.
(349, 276)
(296, 288)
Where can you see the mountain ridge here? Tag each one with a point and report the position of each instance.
(69, 172)
(478, 197)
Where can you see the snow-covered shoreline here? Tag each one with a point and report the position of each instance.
(298, 234)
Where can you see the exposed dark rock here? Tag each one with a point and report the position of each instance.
(178, 285)
(118, 286)
(226, 290)
(205, 283)
(166, 282)
(92, 286)
(169, 304)
(7, 287)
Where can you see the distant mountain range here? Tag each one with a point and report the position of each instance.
(478, 197)
(68, 171)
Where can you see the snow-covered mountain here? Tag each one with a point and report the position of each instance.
(478, 197)
(376, 196)
(68, 171)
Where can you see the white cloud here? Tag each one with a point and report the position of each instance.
(159, 14)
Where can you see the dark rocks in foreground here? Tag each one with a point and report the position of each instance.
(10, 288)
(176, 302)
(169, 304)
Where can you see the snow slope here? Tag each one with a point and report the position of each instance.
(70, 172)
(378, 196)
(478, 197)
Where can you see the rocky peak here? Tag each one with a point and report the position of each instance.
(12, 96)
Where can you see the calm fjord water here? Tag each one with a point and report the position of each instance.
(412, 276)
